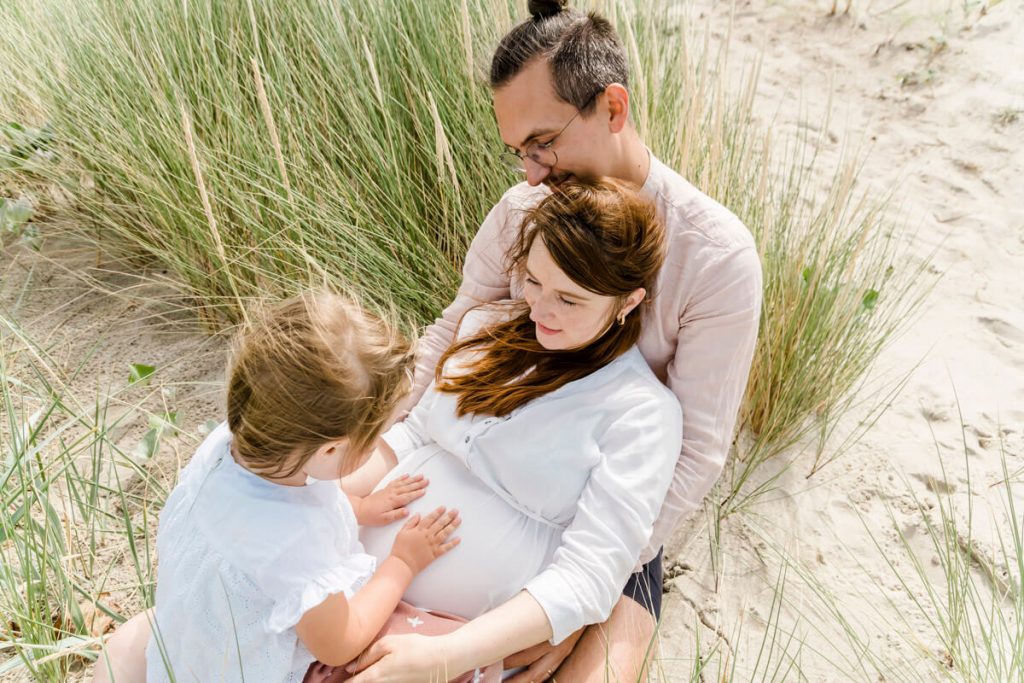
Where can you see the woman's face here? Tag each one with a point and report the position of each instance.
(565, 315)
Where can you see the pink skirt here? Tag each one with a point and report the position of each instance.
(409, 619)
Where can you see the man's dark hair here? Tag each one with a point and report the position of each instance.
(583, 51)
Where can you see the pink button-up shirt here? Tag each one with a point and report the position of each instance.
(698, 335)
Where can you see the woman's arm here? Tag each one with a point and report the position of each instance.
(506, 629)
(614, 516)
(401, 439)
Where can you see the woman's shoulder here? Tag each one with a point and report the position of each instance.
(629, 383)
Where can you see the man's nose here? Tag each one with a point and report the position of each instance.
(535, 173)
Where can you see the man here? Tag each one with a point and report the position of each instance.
(559, 82)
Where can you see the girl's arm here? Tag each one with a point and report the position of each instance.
(337, 630)
(361, 482)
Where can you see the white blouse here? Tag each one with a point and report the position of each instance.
(240, 561)
(576, 478)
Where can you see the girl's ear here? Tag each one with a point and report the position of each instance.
(331, 448)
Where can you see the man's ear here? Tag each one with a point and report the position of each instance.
(617, 102)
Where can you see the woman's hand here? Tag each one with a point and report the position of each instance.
(404, 659)
(388, 505)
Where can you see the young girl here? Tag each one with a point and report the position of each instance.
(258, 546)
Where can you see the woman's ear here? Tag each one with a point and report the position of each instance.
(632, 301)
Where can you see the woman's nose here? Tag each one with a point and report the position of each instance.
(539, 310)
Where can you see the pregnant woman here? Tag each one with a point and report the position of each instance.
(547, 429)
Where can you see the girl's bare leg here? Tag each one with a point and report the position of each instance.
(124, 654)
(616, 651)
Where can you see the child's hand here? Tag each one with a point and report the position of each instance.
(388, 504)
(423, 540)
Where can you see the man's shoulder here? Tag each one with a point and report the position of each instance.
(524, 196)
(689, 213)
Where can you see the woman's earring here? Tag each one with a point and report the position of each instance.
(621, 319)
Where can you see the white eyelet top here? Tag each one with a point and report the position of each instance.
(241, 559)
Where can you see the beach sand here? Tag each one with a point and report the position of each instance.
(929, 97)
(933, 95)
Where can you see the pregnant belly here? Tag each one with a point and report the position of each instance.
(500, 548)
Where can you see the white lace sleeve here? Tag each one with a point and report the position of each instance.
(320, 556)
(300, 594)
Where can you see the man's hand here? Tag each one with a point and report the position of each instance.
(388, 505)
(541, 660)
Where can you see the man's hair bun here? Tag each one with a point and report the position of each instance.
(541, 9)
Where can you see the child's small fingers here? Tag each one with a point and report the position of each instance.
(432, 518)
(448, 545)
(410, 487)
(444, 521)
(413, 521)
(407, 498)
(449, 528)
(395, 515)
(397, 483)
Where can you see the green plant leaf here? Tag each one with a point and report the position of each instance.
(208, 427)
(140, 373)
(14, 214)
(146, 448)
(870, 299)
(168, 421)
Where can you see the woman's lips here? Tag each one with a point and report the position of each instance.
(545, 330)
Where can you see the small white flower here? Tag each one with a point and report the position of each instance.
(415, 622)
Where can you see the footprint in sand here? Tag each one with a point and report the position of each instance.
(1009, 335)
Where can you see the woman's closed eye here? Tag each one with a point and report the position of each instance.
(533, 283)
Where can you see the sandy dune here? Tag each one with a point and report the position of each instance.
(930, 96)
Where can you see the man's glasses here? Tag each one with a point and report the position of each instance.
(540, 153)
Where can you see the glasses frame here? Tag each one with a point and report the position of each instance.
(516, 160)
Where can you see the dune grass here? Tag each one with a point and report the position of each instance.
(70, 533)
(254, 148)
(946, 592)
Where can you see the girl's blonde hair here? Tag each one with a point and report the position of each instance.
(314, 368)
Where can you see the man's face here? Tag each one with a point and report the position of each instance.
(528, 111)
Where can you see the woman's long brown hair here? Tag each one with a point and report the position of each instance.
(607, 239)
